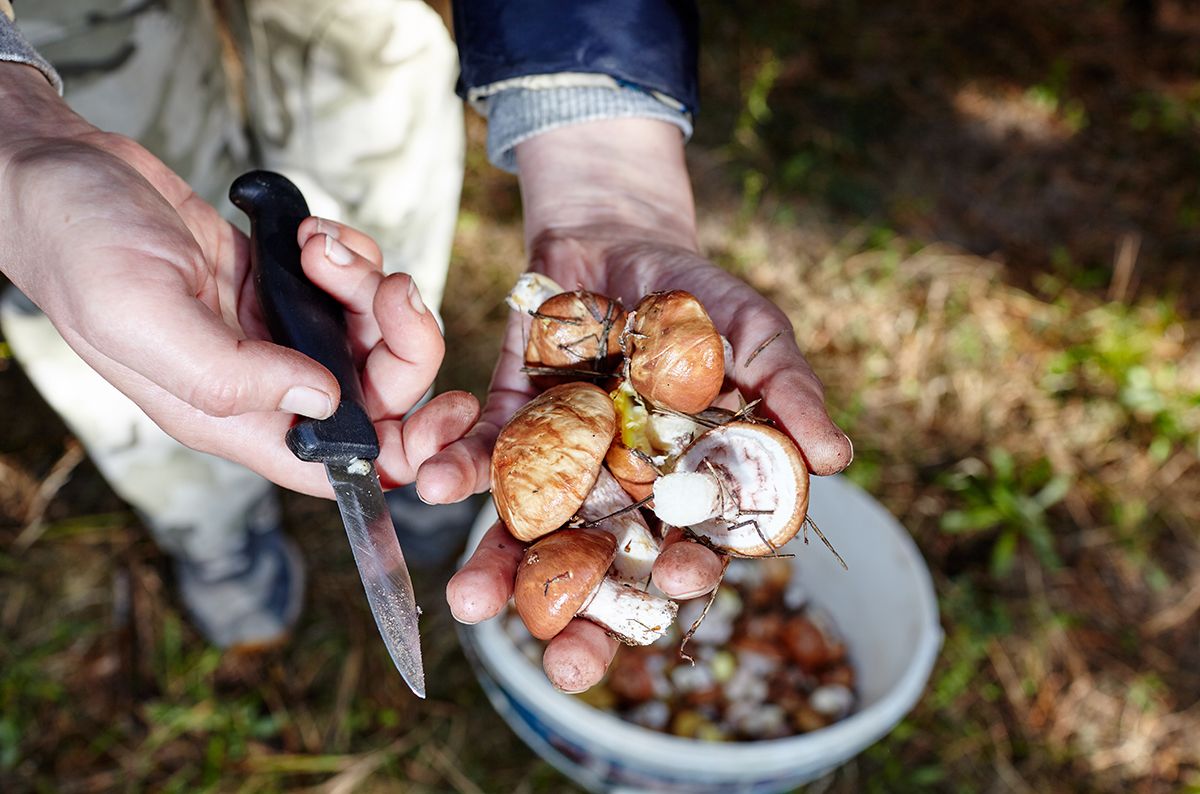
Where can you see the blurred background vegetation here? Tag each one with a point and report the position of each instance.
(983, 220)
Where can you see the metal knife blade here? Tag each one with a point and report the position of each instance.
(380, 565)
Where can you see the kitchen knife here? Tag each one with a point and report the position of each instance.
(305, 318)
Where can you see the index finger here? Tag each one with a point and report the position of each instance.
(767, 363)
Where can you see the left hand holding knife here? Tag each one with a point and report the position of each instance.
(397, 345)
(353, 330)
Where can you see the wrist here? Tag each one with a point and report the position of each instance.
(629, 172)
(32, 108)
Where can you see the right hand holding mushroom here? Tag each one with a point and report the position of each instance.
(608, 208)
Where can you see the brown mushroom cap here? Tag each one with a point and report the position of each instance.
(676, 358)
(576, 330)
(557, 575)
(767, 482)
(548, 456)
(635, 474)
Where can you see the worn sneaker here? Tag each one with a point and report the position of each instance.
(430, 535)
(249, 600)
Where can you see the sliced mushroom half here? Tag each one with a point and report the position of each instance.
(743, 487)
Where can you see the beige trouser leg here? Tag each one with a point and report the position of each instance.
(351, 98)
(354, 100)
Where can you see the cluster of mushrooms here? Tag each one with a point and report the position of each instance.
(625, 422)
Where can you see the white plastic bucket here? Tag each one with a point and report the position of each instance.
(884, 607)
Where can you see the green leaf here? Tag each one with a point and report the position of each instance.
(1006, 502)
(1003, 553)
(971, 520)
(1054, 491)
(1043, 545)
(1002, 463)
(1160, 449)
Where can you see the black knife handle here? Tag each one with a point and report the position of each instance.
(302, 316)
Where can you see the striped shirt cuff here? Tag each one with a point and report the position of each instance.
(517, 114)
(16, 48)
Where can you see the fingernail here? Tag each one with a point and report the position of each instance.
(326, 228)
(414, 297)
(308, 402)
(337, 253)
(850, 441)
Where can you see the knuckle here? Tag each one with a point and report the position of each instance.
(216, 395)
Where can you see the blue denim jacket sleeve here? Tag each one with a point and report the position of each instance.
(648, 45)
(531, 65)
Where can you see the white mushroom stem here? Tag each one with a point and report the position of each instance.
(633, 616)
(637, 549)
(832, 700)
(531, 291)
(684, 498)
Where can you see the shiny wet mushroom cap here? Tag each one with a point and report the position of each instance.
(548, 456)
(557, 575)
(634, 472)
(576, 331)
(676, 357)
(743, 487)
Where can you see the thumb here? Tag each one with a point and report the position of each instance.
(179, 344)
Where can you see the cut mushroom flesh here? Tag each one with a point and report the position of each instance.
(752, 488)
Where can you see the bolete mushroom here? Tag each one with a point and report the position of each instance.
(629, 456)
(576, 331)
(562, 576)
(743, 487)
(548, 456)
(676, 357)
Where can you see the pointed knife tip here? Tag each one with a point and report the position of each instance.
(417, 687)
